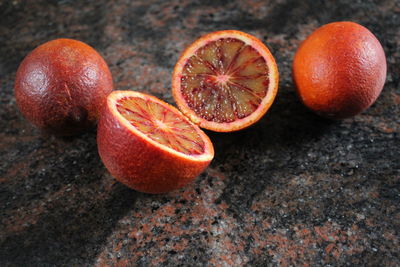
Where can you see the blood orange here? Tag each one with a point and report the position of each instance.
(61, 85)
(225, 81)
(339, 70)
(149, 145)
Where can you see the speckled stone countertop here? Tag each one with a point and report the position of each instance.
(294, 189)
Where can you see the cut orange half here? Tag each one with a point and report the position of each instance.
(149, 145)
(225, 81)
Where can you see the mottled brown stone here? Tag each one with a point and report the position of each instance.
(294, 189)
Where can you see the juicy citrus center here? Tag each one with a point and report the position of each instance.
(161, 124)
(222, 78)
(225, 80)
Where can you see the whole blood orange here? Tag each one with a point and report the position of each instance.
(61, 85)
(339, 70)
(225, 81)
(149, 145)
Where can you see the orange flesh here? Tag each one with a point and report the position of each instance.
(225, 80)
(161, 124)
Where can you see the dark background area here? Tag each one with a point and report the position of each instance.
(292, 189)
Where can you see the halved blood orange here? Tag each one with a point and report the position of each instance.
(225, 81)
(149, 145)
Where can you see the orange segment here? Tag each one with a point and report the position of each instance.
(230, 49)
(210, 56)
(196, 66)
(244, 57)
(246, 101)
(161, 125)
(257, 85)
(225, 81)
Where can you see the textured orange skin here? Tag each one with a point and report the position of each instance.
(138, 164)
(61, 85)
(339, 70)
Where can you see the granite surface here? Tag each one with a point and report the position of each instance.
(294, 189)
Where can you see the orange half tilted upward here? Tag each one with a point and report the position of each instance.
(149, 145)
(225, 81)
